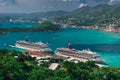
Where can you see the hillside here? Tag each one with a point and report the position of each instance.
(16, 66)
(99, 15)
(35, 15)
(85, 16)
(45, 27)
(48, 14)
(105, 10)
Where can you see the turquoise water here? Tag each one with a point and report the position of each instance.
(6, 24)
(105, 44)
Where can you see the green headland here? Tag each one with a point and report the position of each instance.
(45, 27)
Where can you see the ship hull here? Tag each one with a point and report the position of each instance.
(79, 55)
(39, 47)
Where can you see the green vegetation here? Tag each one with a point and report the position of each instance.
(45, 26)
(2, 31)
(17, 66)
(88, 16)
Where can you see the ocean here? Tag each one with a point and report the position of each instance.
(106, 44)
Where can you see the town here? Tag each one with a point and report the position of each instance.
(72, 22)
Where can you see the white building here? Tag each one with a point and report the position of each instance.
(54, 66)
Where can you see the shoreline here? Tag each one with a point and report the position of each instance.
(43, 27)
(2, 33)
(109, 28)
(100, 29)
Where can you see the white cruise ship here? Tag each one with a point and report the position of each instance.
(27, 45)
(84, 55)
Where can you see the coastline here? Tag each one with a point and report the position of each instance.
(103, 29)
(109, 28)
(43, 27)
(2, 33)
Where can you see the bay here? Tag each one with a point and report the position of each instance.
(6, 24)
(104, 43)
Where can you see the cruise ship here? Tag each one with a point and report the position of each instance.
(27, 45)
(83, 55)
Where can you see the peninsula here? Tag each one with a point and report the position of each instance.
(1, 31)
(44, 26)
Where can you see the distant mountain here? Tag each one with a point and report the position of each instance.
(99, 15)
(101, 10)
(16, 15)
(38, 14)
(86, 11)
(80, 12)
(48, 14)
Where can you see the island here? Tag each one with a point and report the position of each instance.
(44, 26)
(2, 31)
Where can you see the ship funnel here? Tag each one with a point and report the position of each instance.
(69, 46)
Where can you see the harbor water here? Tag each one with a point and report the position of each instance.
(106, 44)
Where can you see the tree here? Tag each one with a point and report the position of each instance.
(11, 69)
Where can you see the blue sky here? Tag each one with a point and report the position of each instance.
(29, 6)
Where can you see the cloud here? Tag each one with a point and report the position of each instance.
(8, 2)
(82, 5)
(48, 5)
(111, 2)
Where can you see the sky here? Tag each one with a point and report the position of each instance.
(31, 6)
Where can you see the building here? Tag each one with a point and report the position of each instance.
(54, 66)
